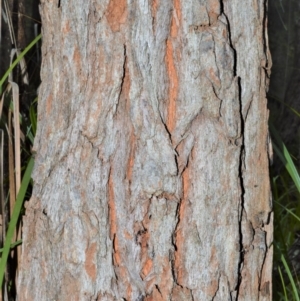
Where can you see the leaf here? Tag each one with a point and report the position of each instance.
(288, 271)
(17, 60)
(14, 218)
(285, 157)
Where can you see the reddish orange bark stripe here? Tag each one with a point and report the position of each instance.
(171, 69)
(116, 14)
(173, 87)
(112, 207)
(177, 7)
(175, 21)
(147, 267)
(154, 8)
(89, 265)
(113, 225)
(117, 257)
(49, 104)
(131, 157)
(129, 291)
(66, 28)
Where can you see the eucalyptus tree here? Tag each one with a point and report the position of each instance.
(151, 168)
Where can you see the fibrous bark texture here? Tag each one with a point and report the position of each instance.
(151, 170)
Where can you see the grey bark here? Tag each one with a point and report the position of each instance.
(151, 170)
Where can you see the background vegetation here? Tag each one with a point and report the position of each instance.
(19, 81)
(284, 103)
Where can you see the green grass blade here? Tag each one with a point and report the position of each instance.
(17, 60)
(13, 245)
(283, 284)
(288, 271)
(286, 158)
(14, 219)
(289, 211)
(285, 104)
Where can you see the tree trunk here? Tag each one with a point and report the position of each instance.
(151, 170)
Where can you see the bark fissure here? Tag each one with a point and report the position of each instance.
(242, 210)
(123, 77)
(217, 289)
(230, 40)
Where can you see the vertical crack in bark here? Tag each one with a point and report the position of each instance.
(217, 289)
(230, 40)
(221, 7)
(192, 295)
(263, 286)
(177, 273)
(242, 211)
(221, 101)
(157, 287)
(112, 219)
(172, 255)
(262, 265)
(174, 242)
(123, 77)
(265, 33)
(242, 152)
(165, 126)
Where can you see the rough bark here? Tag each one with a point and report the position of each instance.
(151, 170)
